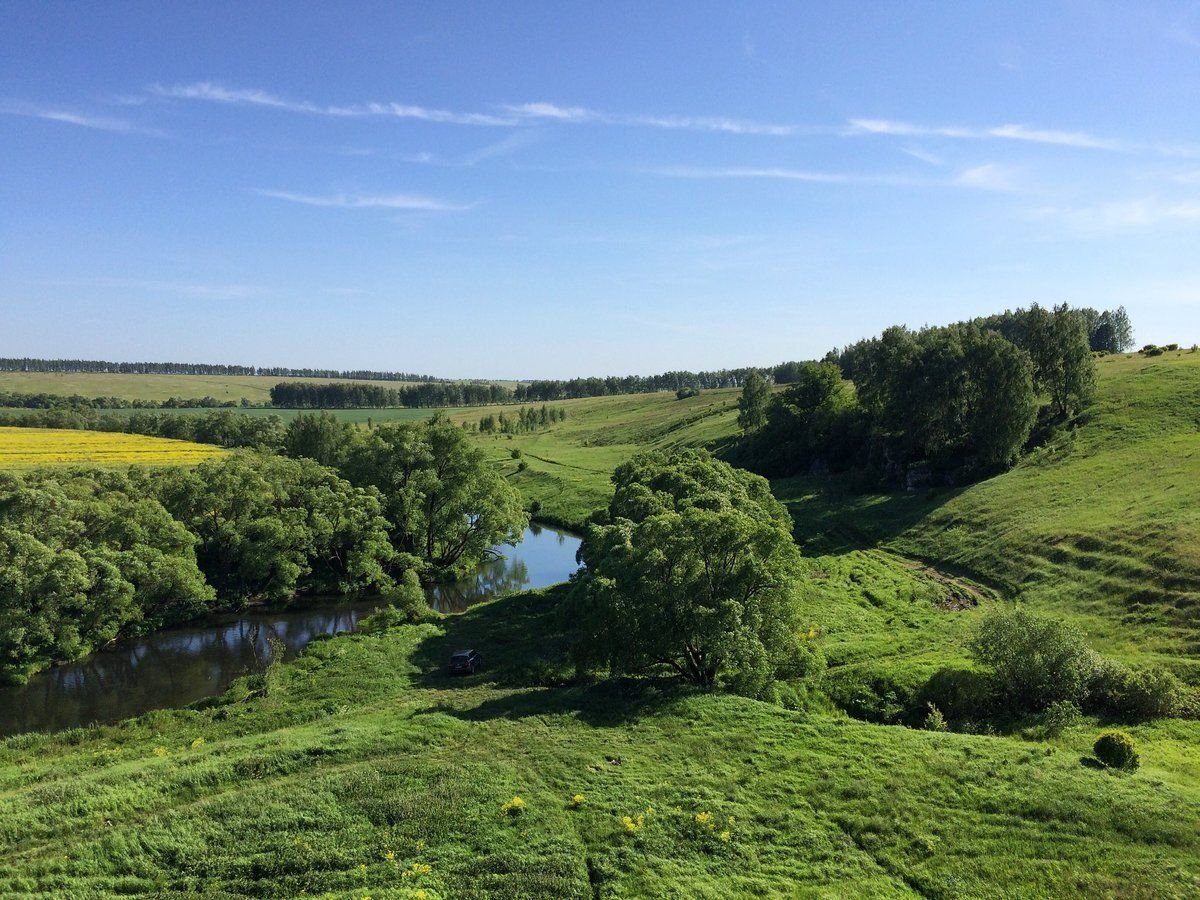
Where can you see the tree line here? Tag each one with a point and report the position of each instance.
(942, 404)
(356, 395)
(94, 366)
(20, 400)
(88, 557)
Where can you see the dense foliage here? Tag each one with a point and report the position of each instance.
(692, 566)
(86, 557)
(269, 527)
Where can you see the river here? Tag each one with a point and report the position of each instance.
(178, 666)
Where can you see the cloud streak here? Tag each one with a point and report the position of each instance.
(214, 93)
(892, 128)
(1123, 215)
(506, 115)
(364, 201)
(582, 115)
(96, 123)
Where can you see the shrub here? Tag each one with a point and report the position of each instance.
(1116, 750)
(1153, 694)
(1035, 660)
(515, 453)
(1059, 716)
(1151, 350)
(522, 466)
(934, 720)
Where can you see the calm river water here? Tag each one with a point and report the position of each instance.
(182, 665)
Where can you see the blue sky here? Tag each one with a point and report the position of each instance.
(559, 189)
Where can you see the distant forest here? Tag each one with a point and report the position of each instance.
(302, 395)
(71, 366)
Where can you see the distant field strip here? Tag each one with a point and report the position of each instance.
(24, 447)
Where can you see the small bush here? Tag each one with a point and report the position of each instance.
(1059, 716)
(1172, 347)
(934, 720)
(1116, 750)
(522, 466)
(515, 453)
(1152, 350)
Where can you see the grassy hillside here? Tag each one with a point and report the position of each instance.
(569, 463)
(25, 447)
(363, 762)
(1102, 526)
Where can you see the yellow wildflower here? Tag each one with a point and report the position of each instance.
(578, 800)
(420, 846)
(198, 742)
(513, 807)
(420, 894)
(161, 751)
(390, 856)
(725, 836)
(704, 819)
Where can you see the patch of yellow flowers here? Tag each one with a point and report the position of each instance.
(632, 825)
(416, 870)
(578, 800)
(513, 807)
(707, 822)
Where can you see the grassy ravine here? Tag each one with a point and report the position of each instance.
(363, 759)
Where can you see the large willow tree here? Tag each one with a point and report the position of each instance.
(692, 567)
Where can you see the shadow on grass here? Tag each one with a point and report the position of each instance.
(527, 650)
(830, 515)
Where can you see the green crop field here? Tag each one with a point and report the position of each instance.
(360, 770)
(254, 388)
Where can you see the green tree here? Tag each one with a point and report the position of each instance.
(319, 436)
(1064, 367)
(692, 566)
(446, 505)
(752, 405)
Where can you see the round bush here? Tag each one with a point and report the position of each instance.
(1116, 750)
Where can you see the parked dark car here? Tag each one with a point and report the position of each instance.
(465, 662)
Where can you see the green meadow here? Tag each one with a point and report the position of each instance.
(361, 770)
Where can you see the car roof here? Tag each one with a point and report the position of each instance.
(463, 653)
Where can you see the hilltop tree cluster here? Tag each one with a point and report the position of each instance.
(950, 402)
(528, 418)
(88, 557)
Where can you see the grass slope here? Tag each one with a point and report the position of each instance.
(569, 463)
(362, 760)
(1102, 526)
(27, 447)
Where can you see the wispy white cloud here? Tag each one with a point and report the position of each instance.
(67, 117)
(781, 174)
(988, 177)
(1123, 215)
(583, 115)
(216, 93)
(364, 201)
(924, 155)
(894, 128)
(506, 115)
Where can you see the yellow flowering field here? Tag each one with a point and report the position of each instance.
(21, 447)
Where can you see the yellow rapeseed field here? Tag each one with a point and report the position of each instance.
(23, 447)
